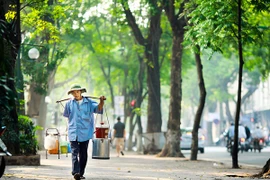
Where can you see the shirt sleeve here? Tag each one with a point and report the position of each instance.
(94, 104)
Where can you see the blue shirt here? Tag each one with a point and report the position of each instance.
(231, 131)
(80, 119)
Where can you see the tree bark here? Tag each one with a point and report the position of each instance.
(238, 106)
(33, 101)
(139, 100)
(172, 145)
(37, 107)
(265, 173)
(194, 147)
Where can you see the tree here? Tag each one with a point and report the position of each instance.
(115, 55)
(201, 84)
(199, 112)
(9, 45)
(230, 23)
(151, 53)
(41, 27)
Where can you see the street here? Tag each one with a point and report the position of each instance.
(219, 153)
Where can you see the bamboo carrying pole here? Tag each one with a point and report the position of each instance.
(92, 97)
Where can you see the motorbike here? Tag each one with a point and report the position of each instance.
(4, 152)
(242, 145)
(230, 146)
(258, 144)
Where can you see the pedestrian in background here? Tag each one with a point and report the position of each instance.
(248, 132)
(241, 132)
(231, 131)
(257, 133)
(119, 136)
(79, 111)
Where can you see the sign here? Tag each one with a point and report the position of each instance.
(119, 102)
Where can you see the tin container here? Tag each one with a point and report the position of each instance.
(101, 148)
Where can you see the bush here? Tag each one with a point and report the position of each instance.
(28, 139)
(10, 137)
(19, 137)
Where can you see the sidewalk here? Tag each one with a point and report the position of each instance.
(131, 166)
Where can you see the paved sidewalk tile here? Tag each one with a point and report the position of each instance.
(132, 166)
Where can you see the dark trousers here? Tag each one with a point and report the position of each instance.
(79, 156)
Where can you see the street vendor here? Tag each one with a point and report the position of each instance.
(79, 111)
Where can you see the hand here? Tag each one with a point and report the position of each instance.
(101, 103)
(102, 98)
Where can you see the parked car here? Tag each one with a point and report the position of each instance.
(186, 139)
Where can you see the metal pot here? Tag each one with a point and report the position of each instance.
(101, 148)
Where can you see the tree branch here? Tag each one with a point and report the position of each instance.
(60, 84)
(132, 23)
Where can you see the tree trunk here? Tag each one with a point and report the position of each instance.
(37, 107)
(139, 100)
(172, 145)
(138, 137)
(33, 102)
(131, 128)
(238, 106)
(20, 85)
(265, 173)
(154, 121)
(194, 147)
(41, 121)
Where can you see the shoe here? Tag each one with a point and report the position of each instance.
(77, 176)
(122, 153)
(82, 177)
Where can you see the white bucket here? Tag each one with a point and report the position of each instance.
(101, 148)
(51, 142)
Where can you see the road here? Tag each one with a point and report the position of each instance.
(220, 154)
